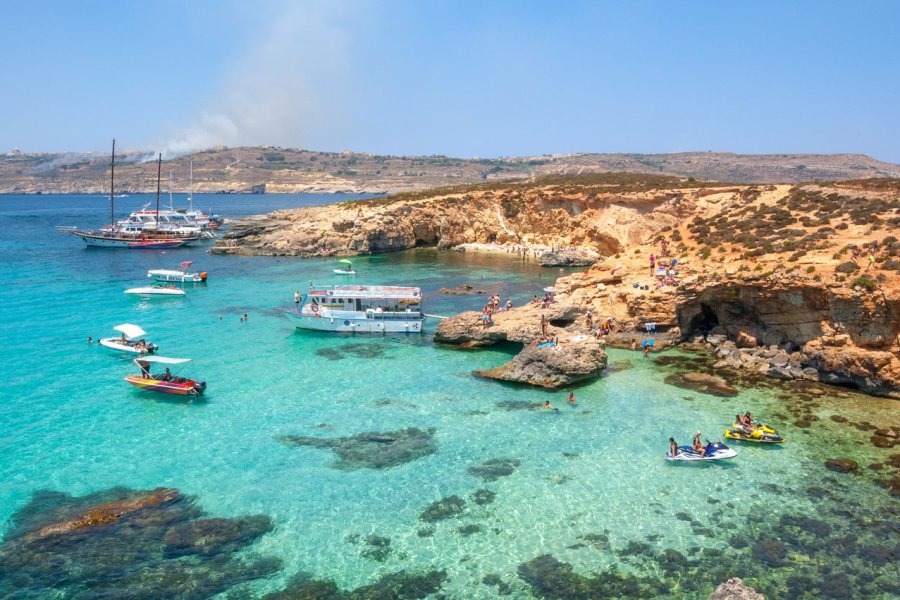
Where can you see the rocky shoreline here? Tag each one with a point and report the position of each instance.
(785, 301)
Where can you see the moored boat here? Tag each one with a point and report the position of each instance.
(165, 382)
(155, 290)
(130, 341)
(181, 275)
(361, 308)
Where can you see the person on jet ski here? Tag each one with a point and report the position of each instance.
(673, 447)
(739, 424)
(747, 421)
(698, 446)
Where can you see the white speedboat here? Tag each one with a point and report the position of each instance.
(181, 275)
(348, 270)
(361, 308)
(155, 290)
(130, 341)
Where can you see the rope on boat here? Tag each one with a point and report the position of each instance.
(436, 316)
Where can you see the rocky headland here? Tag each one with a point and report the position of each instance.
(788, 281)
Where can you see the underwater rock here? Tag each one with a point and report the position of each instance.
(519, 405)
(503, 588)
(888, 432)
(839, 418)
(882, 442)
(552, 579)
(373, 450)
(444, 508)
(482, 497)
(394, 586)
(119, 543)
(209, 537)
(462, 290)
(702, 382)
(495, 468)
(842, 465)
(378, 548)
(734, 589)
(467, 530)
(329, 353)
(770, 552)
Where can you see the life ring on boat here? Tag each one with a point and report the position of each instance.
(315, 308)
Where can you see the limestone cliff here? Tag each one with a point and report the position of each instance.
(807, 272)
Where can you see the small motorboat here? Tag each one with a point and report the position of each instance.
(181, 275)
(155, 290)
(714, 451)
(762, 434)
(164, 382)
(156, 244)
(348, 270)
(130, 341)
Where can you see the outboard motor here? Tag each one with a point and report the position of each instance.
(199, 387)
(152, 348)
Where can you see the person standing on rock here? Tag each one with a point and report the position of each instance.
(590, 320)
(652, 265)
(543, 325)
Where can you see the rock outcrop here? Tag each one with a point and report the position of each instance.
(734, 589)
(572, 355)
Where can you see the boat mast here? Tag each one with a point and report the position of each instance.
(191, 190)
(112, 180)
(158, 175)
(171, 206)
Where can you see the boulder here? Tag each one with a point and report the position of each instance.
(842, 465)
(716, 339)
(553, 367)
(734, 589)
(780, 360)
(745, 340)
(779, 373)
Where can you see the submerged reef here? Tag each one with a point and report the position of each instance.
(395, 586)
(495, 468)
(373, 450)
(122, 543)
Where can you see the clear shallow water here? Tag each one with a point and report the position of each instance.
(70, 423)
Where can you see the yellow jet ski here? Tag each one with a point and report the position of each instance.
(763, 435)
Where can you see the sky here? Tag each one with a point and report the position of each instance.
(457, 78)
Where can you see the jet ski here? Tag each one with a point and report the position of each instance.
(714, 451)
(761, 435)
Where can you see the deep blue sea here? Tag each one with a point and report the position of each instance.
(586, 484)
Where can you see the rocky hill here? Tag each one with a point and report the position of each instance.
(767, 272)
(281, 170)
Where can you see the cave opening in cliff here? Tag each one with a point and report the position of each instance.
(704, 320)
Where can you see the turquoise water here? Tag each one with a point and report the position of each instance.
(70, 423)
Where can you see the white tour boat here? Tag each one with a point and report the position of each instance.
(361, 308)
(130, 341)
(155, 290)
(180, 275)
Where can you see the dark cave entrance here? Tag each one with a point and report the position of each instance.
(703, 321)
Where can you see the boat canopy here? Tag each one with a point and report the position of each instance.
(186, 263)
(162, 360)
(130, 331)
(372, 292)
(346, 261)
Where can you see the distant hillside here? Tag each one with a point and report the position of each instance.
(281, 170)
